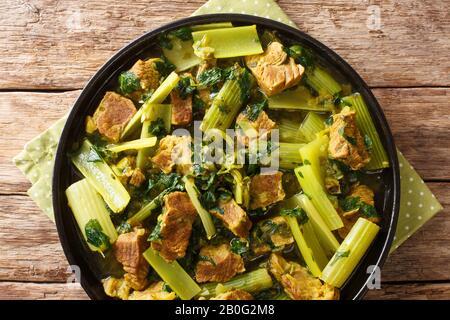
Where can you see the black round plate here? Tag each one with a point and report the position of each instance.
(90, 264)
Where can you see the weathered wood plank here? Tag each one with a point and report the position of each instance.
(31, 249)
(414, 291)
(52, 44)
(41, 291)
(419, 119)
(72, 291)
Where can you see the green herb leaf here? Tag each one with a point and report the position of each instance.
(95, 235)
(368, 142)
(184, 33)
(128, 82)
(297, 212)
(157, 128)
(239, 246)
(156, 233)
(339, 255)
(164, 67)
(207, 259)
(124, 227)
(211, 77)
(252, 111)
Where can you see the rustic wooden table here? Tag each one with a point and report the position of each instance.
(50, 48)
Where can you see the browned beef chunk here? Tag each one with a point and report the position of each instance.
(233, 217)
(175, 226)
(346, 142)
(274, 70)
(113, 114)
(261, 127)
(181, 109)
(174, 152)
(128, 250)
(266, 189)
(218, 264)
(298, 283)
(234, 295)
(155, 291)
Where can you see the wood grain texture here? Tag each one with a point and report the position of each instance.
(49, 44)
(73, 291)
(31, 249)
(419, 119)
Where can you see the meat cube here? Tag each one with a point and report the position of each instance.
(156, 291)
(274, 70)
(349, 218)
(262, 126)
(113, 114)
(233, 217)
(175, 226)
(298, 283)
(218, 264)
(346, 142)
(234, 295)
(181, 109)
(271, 234)
(147, 73)
(128, 251)
(266, 189)
(174, 151)
(137, 178)
(116, 288)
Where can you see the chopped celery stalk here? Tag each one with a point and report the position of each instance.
(350, 252)
(182, 54)
(325, 236)
(160, 93)
(173, 274)
(144, 212)
(307, 178)
(87, 205)
(311, 125)
(210, 26)
(101, 177)
(238, 186)
(205, 216)
(133, 125)
(289, 155)
(321, 81)
(299, 98)
(379, 158)
(224, 108)
(132, 145)
(305, 249)
(313, 242)
(313, 153)
(252, 282)
(231, 42)
(290, 131)
(153, 113)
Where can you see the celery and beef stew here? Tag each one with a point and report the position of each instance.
(283, 209)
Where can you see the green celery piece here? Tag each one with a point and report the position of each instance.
(210, 26)
(322, 82)
(350, 252)
(205, 216)
(173, 274)
(299, 98)
(308, 181)
(303, 246)
(101, 177)
(289, 155)
(231, 42)
(311, 125)
(132, 145)
(312, 155)
(87, 204)
(252, 282)
(182, 54)
(224, 108)
(152, 113)
(325, 236)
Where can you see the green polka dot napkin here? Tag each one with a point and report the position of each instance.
(417, 203)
